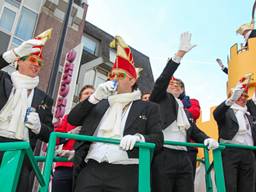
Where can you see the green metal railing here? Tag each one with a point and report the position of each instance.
(145, 154)
(14, 153)
(217, 165)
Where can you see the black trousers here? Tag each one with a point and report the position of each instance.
(62, 179)
(105, 177)
(24, 184)
(172, 172)
(192, 153)
(239, 170)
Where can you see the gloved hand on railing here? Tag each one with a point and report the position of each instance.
(128, 141)
(75, 130)
(67, 153)
(211, 143)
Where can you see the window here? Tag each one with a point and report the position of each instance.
(112, 55)
(26, 24)
(7, 19)
(18, 19)
(15, 3)
(91, 45)
(99, 78)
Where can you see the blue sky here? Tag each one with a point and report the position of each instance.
(154, 26)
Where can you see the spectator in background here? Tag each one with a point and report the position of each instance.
(63, 174)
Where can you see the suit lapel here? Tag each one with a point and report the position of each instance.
(253, 126)
(8, 86)
(134, 112)
(37, 98)
(233, 116)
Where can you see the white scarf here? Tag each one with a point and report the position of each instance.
(182, 120)
(112, 124)
(13, 113)
(240, 116)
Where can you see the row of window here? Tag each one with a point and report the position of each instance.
(92, 45)
(19, 21)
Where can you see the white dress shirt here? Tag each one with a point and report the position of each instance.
(11, 135)
(173, 133)
(111, 153)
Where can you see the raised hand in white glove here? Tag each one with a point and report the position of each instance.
(128, 141)
(103, 91)
(185, 42)
(33, 122)
(26, 48)
(211, 143)
(67, 153)
(75, 130)
(219, 61)
(236, 93)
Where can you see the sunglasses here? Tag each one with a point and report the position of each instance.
(245, 95)
(117, 75)
(33, 59)
(175, 83)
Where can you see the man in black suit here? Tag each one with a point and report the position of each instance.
(115, 110)
(25, 110)
(236, 126)
(172, 169)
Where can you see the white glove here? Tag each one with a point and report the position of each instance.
(104, 90)
(128, 142)
(211, 143)
(220, 63)
(33, 122)
(185, 42)
(26, 48)
(67, 153)
(75, 130)
(237, 92)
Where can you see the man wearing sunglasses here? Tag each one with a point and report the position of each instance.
(115, 110)
(25, 111)
(172, 169)
(236, 126)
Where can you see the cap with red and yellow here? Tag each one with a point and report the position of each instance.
(44, 37)
(124, 59)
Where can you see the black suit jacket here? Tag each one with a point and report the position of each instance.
(169, 106)
(252, 108)
(227, 122)
(41, 102)
(143, 118)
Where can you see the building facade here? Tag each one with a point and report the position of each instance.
(21, 20)
(98, 58)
